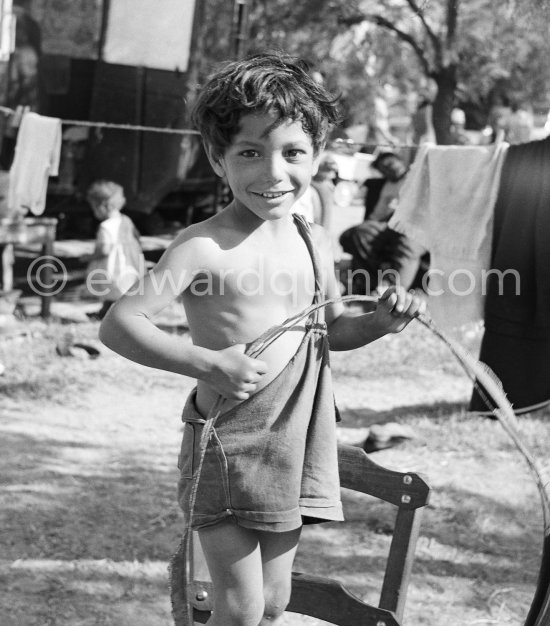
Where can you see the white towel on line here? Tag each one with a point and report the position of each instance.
(446, 204)
(37, 156)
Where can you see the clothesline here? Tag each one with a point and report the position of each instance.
(154, 129)
(374, 146)
(186, 131)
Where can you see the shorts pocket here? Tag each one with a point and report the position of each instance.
(190, 449)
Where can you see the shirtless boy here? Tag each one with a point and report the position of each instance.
(270, 465)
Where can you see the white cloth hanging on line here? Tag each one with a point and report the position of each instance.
(37, 156)
(446, 204)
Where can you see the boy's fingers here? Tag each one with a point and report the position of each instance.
(253, 380)
(418, 307)
(400, 302)
(414, 307)
(388, 296)
(260, 366)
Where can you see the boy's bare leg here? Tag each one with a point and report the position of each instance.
(278, 551)
(235, 565)
(242, 575)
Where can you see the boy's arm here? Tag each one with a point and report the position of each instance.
(348, 330)
(128, 330)
(394, 310)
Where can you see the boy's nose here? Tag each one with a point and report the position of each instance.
(274, 168)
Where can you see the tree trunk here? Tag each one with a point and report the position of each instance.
(443, 104)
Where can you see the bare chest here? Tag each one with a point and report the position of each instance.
(264, 272)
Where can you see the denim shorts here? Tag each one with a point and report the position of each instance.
(271, 461)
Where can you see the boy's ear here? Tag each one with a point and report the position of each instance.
(215, 161)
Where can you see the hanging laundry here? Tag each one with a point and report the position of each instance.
(446, 205)
(516, 341)
(37, 155)
(149, 34)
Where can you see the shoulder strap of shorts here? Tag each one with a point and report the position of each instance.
(305, 230)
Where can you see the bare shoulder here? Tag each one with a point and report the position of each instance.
(196, 242)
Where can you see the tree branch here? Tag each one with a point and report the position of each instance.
(452, 19)
(380, 20)
(436, 42)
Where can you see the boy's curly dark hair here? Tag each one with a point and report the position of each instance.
(267, 81)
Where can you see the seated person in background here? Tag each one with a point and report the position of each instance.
(117, 261)
(381, 256)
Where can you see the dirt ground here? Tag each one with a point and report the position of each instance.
(88, 517)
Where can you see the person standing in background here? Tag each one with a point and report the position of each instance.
(458, 123)
(117, 261)
(23, 84)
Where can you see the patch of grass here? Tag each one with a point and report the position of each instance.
(34, 370)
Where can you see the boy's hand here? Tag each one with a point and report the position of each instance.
(396, 308)
(236, 375)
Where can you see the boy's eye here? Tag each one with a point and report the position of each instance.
(295, 153)
(250, 153)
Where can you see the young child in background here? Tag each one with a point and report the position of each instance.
(271, 462)
(117, 261)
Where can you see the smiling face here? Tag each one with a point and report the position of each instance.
(268, 165)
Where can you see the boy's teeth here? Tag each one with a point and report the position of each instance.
(272, 195)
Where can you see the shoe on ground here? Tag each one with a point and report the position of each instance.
(384, 436)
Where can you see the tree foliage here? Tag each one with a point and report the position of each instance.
(475, 50)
